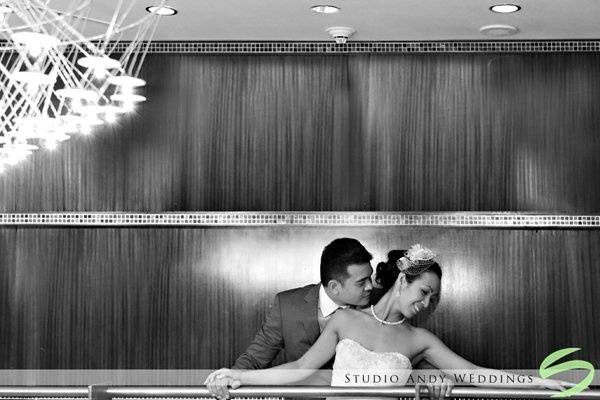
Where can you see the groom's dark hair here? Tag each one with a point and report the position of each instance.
(338, 255)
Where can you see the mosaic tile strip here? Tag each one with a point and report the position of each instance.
(329, 47)
(458, 219)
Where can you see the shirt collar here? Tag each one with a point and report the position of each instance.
(326, 305)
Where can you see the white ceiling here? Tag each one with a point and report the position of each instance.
(377, 20)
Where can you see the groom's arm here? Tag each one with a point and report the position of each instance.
(266, 344)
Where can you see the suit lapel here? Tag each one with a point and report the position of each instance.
(310, 313)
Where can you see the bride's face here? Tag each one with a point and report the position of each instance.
(417, 296)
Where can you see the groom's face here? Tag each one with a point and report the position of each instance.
(356, 289)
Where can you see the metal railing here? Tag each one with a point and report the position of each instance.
(44, 391)
(103, 392)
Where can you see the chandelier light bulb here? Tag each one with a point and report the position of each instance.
(35, 127)
(79, 124)
(69, 124)
(127, 90)
(33, 78)
(99, 73)
(25, 147)
(128, 106)
(35, 43)
(110, 115)
(111, 118)
(32, 89)
(126, 81)
(97, 115)
(4, 13)
(14, 159)
(79, 94)
(92, 120)
(15, 154)
(85, 129)
(78, 105)
(35, 51)
(98, 62)
(57, 136)
(50, 144)
(128, 98)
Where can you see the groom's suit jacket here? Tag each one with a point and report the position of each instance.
(291, 325)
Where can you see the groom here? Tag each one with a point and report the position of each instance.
(298, 316)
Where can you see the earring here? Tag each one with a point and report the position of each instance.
(402, 277)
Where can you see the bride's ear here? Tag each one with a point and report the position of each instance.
(400, 282)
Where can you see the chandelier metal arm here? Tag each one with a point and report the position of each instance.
(59, 78)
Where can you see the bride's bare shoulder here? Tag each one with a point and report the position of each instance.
(347, 315)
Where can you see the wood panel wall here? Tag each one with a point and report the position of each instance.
(185, 298)
(434, 132)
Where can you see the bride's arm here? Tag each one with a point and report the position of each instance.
(319, 353)
(464, 371)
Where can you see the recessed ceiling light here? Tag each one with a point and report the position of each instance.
(505, 8)
(325, 9)
(164, 10)
(498, 30)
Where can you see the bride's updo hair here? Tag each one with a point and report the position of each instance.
(388, 271)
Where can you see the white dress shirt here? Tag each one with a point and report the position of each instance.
(326, 307)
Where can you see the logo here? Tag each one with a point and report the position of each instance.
(546, 370)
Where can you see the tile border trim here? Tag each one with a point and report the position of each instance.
(329, 47)
(274, 218)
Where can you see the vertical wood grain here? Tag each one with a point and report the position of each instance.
(435, 132)
(185, 298)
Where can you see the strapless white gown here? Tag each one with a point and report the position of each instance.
(357, 366)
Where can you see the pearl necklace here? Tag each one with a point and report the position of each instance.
(383, 321)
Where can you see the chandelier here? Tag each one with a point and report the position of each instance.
(67, 66)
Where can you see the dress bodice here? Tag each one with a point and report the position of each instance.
(356, 365)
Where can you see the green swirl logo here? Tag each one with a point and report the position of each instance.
(546, 370)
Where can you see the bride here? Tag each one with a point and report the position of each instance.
(377, 339)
